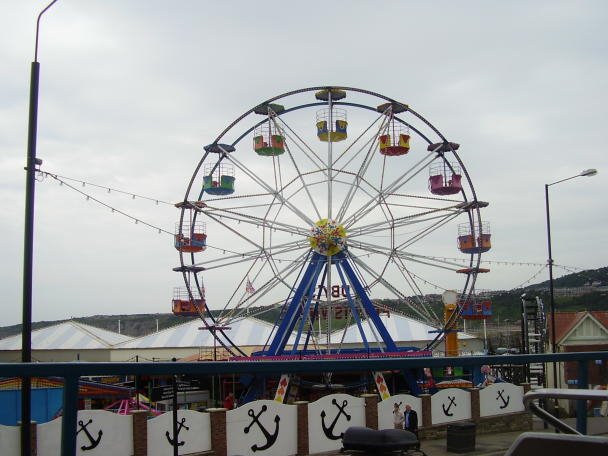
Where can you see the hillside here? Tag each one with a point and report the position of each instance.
(587, 289)
(596, 277)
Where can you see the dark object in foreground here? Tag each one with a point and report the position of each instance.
(461, 437)
(371, 441)
(558, 444)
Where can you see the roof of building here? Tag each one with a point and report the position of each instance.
(69, 335)
(565, 322)
(400, 328)
(242, 333)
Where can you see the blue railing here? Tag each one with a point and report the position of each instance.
(71, 372)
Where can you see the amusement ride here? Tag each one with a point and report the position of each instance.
(321, 202)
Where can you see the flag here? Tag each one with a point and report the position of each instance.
(249, 287)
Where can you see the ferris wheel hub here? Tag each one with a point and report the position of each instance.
(327, 237)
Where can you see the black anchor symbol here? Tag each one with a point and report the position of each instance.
(94, 443)
(181, 425)
(505, 404)
(329, 431)
(447, 411)
(270, 438)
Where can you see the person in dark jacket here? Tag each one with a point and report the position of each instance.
(410, 418)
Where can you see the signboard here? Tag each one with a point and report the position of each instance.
(162, 393)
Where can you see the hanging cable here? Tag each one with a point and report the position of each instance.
(108, 189)
(113, 209)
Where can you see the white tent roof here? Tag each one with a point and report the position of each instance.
(246, 332)
(400, 328)
(68, 335)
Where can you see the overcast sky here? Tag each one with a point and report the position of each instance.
(130, 91)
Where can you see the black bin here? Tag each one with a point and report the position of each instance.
(461, 437)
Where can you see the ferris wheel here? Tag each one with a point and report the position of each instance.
(316, 205)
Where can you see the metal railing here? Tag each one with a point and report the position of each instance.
(71, 372)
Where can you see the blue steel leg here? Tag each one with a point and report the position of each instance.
(294, 309)
(366, 302)
(581, 406)
(305, 316)
(353, 307)
(315, 311)
(70, 415)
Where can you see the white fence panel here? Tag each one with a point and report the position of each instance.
(329, 417)
(501, 398)
(10, 440)
(193, 433)
(98, 433)
(48, 436)
(451, 404)
(262, 428)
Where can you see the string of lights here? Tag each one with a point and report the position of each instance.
(114, 210)
(104, 187)
(63, 181)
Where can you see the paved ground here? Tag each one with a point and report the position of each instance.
(497, 444)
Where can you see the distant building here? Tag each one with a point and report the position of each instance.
(581, 332)
(67, 341)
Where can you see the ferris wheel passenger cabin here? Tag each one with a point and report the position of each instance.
(268, 139)
(184, 306)
(191, 238)
(332, 126)
(218, 179)
(476, 239)
(445, 179)
(395, 139)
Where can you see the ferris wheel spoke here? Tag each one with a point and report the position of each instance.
(396, 258)
(410, 279)
(237, 258)
(358, 177)
(371, 141)
(437, 216)
(389, 286)
(363, 168)
(420, 305)
(221, 213)
(245, 302)
(417, 237)
(394, 186)
(429, 260)
(300, 177)
(303, 146)
(264, 185)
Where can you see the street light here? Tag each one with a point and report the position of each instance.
(28, 245)
(585, 173)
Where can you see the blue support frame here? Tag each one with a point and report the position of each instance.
(366, 302)
(353, 307)
(294, 309)
(305, 288)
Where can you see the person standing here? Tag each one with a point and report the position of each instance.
(411, 420)
(229, 401)
(398, 418)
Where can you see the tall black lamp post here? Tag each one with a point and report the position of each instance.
(28, 246)
(586, 172)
